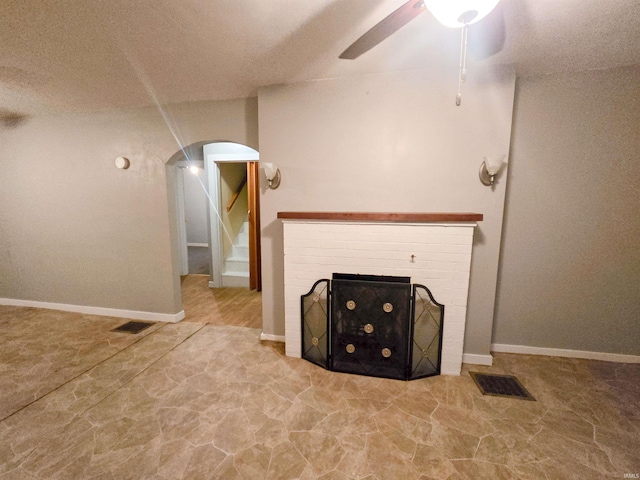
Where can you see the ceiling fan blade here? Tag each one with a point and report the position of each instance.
(389, 25)
(487, 37)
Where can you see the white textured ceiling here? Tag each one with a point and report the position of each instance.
(86, 55)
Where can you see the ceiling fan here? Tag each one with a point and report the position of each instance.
(488, 36)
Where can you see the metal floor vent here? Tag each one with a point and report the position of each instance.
(501, 386)
(133, 327)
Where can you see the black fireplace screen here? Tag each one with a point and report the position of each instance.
(372, 325)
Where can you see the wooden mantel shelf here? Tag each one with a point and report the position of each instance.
(383, 217)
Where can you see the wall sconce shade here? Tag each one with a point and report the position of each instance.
(272, 172)
(490, 167)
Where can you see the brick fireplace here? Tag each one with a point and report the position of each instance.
(433, 249)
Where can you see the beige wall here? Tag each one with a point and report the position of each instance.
(390, 142)
(570, 267)
(76, 230)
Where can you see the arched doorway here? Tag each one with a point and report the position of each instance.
(212, 156)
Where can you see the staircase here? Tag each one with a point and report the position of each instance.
(236, 265)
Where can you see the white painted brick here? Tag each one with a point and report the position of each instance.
(315, 250)
(455, 230)
(454, 310)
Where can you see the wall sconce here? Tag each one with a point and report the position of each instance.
(490, 168)
(273, 175)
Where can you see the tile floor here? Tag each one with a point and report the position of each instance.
(195, 400)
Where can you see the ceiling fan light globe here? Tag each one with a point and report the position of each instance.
(457, 13)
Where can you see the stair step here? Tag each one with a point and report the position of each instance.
(242, 239)
(235, 280)
(236, 274)
(240, 252)
(236, 265)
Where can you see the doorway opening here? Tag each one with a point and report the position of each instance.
(233, 232)
(234, 215)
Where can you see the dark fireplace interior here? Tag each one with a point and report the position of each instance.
(374, 325)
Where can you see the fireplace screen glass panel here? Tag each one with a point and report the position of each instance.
(315, 317)
(427, 333)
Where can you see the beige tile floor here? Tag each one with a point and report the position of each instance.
(195, 400)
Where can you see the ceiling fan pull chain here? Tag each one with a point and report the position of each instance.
(462, 74)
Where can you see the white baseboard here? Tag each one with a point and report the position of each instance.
(271, 338)
(560, 352)
(197, 245)
(474, 359)
(107, 312)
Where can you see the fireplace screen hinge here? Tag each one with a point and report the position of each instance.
(372, 325)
